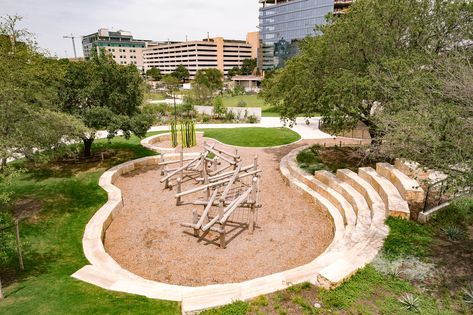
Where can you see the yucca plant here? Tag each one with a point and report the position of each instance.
(454, 233)
(468, 295)
(410, 302)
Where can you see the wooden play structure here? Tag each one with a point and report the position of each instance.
(227, 186)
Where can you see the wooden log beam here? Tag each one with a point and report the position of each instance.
(224, 181)
(230, 209)
(230, 183)
(235, 156)
(171, 174)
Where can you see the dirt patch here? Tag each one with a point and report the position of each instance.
(147, 239)
(27, 208)
(454, 261)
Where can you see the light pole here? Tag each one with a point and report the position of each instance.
(72, 37)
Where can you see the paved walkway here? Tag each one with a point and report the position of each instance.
(307, 132)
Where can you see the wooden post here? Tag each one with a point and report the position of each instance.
(222, 237)
(18, 244)
(162, 161)
(179, 190)
(195, 220)
(222, 226)
(235, 159)
(181, 164)
(253, 204)
(1, 291)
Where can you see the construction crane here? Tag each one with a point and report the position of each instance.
(72, 37)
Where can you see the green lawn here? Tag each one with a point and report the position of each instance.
(253, 136)
(155, 96)
(69, 195)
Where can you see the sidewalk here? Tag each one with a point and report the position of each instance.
(307, 132)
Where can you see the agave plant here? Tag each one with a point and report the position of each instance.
(454, 233)
(410, 302)
(468, 295)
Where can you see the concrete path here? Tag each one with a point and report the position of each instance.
(306, 132)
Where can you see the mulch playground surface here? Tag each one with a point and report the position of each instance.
(147, 239)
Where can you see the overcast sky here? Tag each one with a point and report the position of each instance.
(49, 20)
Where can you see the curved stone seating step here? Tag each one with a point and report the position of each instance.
(392, 199)
(408, 187)
(304, 189)
(345, 208)
(376, 204)
(356, 200)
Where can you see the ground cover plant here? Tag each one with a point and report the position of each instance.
(253, 137)
(331, 159)
(64, 198)
(375, 289)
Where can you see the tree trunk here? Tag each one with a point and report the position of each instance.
(88, 146)
(1, 290)
(3, 163)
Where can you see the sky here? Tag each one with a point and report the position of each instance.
(157, 20)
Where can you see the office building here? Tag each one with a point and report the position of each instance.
(283, 22)
(217, 52)
(121, 45)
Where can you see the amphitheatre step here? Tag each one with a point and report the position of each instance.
(345, 208)
(356, 199)
(408, 187)
(393, 200)
(371, 196)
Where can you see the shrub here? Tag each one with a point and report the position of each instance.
(219, 109)
(7, 239)
(410, 302)
(307, 157)
(205, 118)
(242, 103)
(238, 90)
(454, 233)
(252, 119)
(229, 115)
(468, 295)
(409, 268)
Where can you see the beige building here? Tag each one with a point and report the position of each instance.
(120, 44)
(215, 52)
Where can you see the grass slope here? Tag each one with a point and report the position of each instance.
(53, 240)
(253, 136)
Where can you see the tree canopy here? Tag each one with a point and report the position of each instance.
(154, 73)
(211, 78)
(30, 119)
(181, 73)
(104, 95)
(384, 64)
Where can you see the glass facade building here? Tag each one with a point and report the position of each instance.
(282, 23)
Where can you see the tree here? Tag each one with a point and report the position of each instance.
(331, 75)
(234, 72)
(212, 78)
(248, 66)
(219, 108)
(181, 73)
(171, 83)
(104, 95)
(30, 119)
(154, 73)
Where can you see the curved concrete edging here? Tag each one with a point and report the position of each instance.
(151, 143)
(105, 272)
